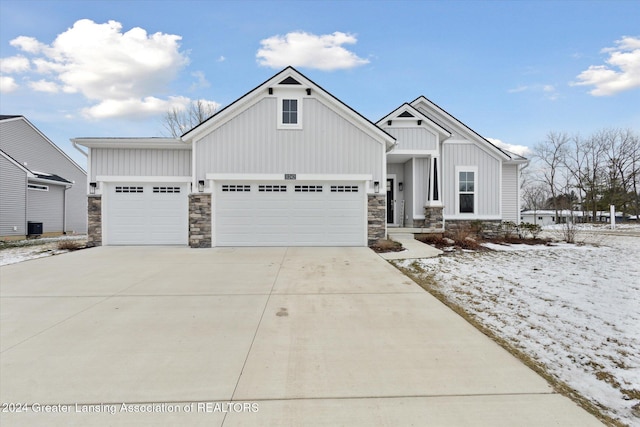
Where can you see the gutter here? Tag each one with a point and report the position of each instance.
(75, 145)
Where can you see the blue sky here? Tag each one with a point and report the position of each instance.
(511, 70)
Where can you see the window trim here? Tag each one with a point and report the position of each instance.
(473, 169)
(291, 97)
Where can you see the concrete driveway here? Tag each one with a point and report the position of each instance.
(289, 336)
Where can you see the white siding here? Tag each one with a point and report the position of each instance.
(421, 179)
(510, 196)
(13, 199)
(487, 181)
(415, 138)
(326, 144)
(47, 207)
(408, 191)
(139, 162)
(24, 144)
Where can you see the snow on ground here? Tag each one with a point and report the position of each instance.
(24, 250)
(573, 308)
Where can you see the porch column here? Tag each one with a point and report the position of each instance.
(435, 192)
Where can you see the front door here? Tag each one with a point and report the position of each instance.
(390, 201)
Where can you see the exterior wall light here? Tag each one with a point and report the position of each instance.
(92, 187)
(200, 186)
(400, 186)
(376, 186)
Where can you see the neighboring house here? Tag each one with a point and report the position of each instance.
(544, 217)
(288, 164)
(39, 184)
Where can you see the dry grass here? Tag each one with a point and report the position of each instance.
(386, 245)
(71, 245)
(428, 283)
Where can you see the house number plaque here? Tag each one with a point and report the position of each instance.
(290, 176)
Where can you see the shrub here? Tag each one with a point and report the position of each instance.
(70, 245)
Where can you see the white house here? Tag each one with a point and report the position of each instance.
(42, 190)
(289, 164)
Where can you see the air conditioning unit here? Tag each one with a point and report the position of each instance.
(34, 228)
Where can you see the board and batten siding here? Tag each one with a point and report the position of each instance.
(413, 138)
(252, 143)
(13, 199)
(408, 191)
(421, 180)
(26, 145)
(510, 194)
(487, 185)
(139, 162)
(47, 207)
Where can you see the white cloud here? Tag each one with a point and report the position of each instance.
(522, 150)
(201, 81)
(14, 64)
(301, 49)
(621, 73)
(44, 86)
(549, 91)
(116, 70)
(221, 58)
(7, 84)
(134, 107)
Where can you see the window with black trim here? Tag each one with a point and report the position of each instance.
(272, 188)
(128, 189)
(344, 188)
(290, 111)
(308, 189)
(235, 188)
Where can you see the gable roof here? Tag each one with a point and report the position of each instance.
(407, 111)
(36, 176)
(288, 76)
(10, 118)
(467, 131)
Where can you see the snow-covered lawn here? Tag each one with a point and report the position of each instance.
(23, 250)
(574, 309)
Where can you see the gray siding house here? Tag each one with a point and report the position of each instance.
(288, 164)
(39, 183)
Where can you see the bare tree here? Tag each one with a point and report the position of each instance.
(552, 155)
(177, 121)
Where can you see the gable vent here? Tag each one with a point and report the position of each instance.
(406, 114)
(289, 81)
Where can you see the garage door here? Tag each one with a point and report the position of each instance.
(290, 214)
(146, 214)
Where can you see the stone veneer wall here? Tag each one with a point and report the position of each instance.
(200, 220)
(376, 217)
(434, 217)
(488, 228)
(94, 211)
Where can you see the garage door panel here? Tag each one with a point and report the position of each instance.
(308, 217)
(146, 214)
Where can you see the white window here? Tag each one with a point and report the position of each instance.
(289, 112)
(466, 202)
